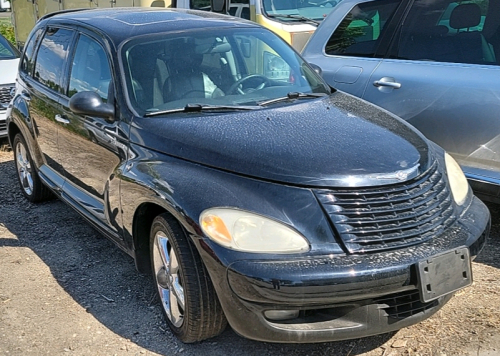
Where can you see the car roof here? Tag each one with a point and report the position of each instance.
(123, 23)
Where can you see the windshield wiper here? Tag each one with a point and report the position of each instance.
(200, 107)
(296, 17)
(292, 96)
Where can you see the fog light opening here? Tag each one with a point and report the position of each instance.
(280, 315)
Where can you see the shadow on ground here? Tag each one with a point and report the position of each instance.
(491, 252)
(103, 280)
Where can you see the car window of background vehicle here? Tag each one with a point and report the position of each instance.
(6, 50)
(360, 30)
(447, 32)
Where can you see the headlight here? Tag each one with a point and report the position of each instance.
(244, 231)
(458, 182)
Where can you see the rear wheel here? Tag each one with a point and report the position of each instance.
(185, 290)
(31, 185)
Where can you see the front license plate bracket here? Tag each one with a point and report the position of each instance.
(444, 273)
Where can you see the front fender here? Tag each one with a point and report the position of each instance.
(186, 189)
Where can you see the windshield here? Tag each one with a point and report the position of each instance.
(300, 10)
(225, 67)
(7, 51)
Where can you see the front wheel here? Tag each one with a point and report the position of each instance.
(186, 293)
(31, 185)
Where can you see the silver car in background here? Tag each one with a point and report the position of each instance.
(433, 63)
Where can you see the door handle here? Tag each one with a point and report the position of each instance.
(387, 82)
(61, 119)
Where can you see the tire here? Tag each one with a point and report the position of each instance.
(188, 299)
(31, 185)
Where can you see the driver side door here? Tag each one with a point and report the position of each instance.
(92, 149)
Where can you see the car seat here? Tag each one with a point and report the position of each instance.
(467, 43)
(186, 80)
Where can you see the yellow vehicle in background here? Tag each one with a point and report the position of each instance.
(293, 20)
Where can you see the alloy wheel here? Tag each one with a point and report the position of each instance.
(168, 279)
(24, 169)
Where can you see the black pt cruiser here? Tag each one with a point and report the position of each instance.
(208, 150)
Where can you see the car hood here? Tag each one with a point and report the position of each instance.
(338, 140)
(8, 70)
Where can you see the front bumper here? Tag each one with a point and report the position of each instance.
(338, 297)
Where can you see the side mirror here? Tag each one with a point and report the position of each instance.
(316, 68)
(219, 6)
(90, 103)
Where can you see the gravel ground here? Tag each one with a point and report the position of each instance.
(65, 290)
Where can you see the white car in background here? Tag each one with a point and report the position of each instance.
(4, 5)
(9, 61)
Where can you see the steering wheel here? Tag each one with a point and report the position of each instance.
(264, 81)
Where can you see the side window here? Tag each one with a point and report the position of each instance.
(199, 5)
(359, 31)
(448, 32)
(245, 13)
(242, 5)
(275, 67)
(52, 56)
(90, 68)
(28, 62)
(232, 10)
(248, 52)
(260, 59)
(6, 50)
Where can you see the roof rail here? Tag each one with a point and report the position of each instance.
(46, 16)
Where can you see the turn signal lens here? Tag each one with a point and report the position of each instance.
(458, 183)
(215, 227)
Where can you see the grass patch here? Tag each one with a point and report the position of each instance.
(5, 20)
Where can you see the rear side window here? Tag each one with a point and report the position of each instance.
(27, 63)
(52, 57)
(465, 32)
(360, 30)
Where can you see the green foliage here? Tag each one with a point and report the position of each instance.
(7, 31)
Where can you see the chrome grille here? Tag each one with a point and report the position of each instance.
(5, 96)
(390, 217)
